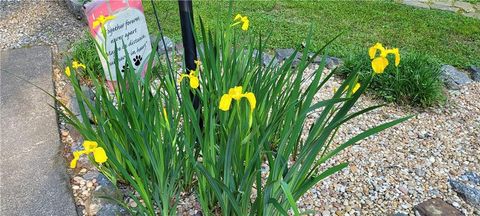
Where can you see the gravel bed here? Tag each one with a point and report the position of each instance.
(39, 22)
(405, 165)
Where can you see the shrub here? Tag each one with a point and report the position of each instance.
(160, 143)
(415, 82)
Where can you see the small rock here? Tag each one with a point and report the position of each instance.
(469, 194)
(326, 213)
(64, 133)
(75, 187)
(434, 207)
(453, 78)
(89, 184)
(420, 172)
(77, 179)
(132, 203)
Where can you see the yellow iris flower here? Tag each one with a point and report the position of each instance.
(67, 71)
(381, 62)
(236, 93)
(354, 89)
(243, 20)
(76, 65)
(89, 146)
(192, 76)
(101, 20)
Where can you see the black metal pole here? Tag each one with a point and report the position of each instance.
(189, 47)
(186, 22)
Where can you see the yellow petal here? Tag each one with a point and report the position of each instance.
(397, 56)
(245, 25)
(181, 77)
(76, 156)
(237, 17)
(194, 82)
(73, 163)
(379, 64)
(198, 63)
(95, 23)
(99, 155)
(67, 71)
(165, 113)
(356, 87)
(236, 92)
(76, 65)
(251, 100)
(372, 51)
(108, 18)
(89, 145)
(225, 102)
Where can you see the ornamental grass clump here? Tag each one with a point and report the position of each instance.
(227, 118)
(416, 81)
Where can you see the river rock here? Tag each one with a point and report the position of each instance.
(453, 78)
(436, 207)
(470, 194)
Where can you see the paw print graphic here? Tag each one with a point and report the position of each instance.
(125, 67)
(137, 60)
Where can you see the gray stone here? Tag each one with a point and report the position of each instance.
(333, 62)
(399, 214)
(475, 71)
(436, 207)
(76, 8)
(283, 54)
(266, 58)
(446, 6)
(100, 202)
(471, 195)
(473, 15)
(416, 3)
(179, 48)
(465, 6)
(32, 170)
(453, 78)
(169, 45)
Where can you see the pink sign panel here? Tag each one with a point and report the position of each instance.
(128, 27)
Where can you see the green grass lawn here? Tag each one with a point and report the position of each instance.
(451, 38)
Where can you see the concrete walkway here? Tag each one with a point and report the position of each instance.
(33, 179)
